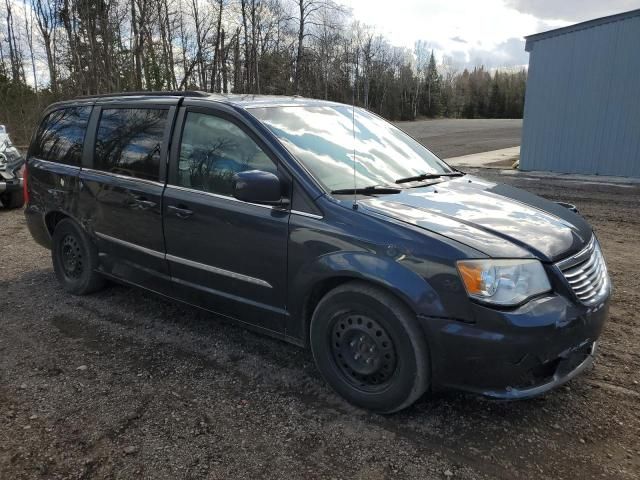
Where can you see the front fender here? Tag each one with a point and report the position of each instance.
(386, 272)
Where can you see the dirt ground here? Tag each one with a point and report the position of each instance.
(449, 137)
(123, 384)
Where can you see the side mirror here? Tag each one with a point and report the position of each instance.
(256, 186)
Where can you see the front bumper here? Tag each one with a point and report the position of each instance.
(515, 354)
(570, 364)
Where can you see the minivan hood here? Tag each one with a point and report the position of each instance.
(496, 219)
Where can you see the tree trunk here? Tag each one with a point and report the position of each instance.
(29, 29)
(215, 82)
(254, 47)
(46, 19)
(167, 47)
(66, 14)
(247, 57)
(183, 42)
(15, 55)
(137, 57)
(51, 63)
(236, 63)
(223, 65)
(199, 43)
(172, 63)
(298, 71)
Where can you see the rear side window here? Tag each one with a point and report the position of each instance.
(129, 141)
(61, 136)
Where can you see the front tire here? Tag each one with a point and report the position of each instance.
(75, 259)
(369, 348)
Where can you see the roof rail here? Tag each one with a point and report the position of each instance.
(175, 93)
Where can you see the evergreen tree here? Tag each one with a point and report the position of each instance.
(433, 90)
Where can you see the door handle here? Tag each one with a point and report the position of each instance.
(180, 211)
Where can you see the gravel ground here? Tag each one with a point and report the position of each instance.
(123, 384)
(449, 137)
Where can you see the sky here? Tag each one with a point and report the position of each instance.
(477, 32)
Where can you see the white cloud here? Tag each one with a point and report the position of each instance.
(471, 32)
(468, 28)
(573, 10)
(509, 53)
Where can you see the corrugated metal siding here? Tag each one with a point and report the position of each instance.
(582, 110)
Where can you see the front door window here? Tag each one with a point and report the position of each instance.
(213, 150)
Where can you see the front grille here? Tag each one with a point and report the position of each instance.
(586, 274)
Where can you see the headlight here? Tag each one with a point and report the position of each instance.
(503, 282)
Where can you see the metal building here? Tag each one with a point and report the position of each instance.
(582, 104)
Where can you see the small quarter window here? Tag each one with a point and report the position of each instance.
(213, 150)
(129, 141)
(61, 136)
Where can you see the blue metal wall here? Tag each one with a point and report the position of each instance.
(582, 106)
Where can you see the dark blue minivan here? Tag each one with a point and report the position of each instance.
(326, 226)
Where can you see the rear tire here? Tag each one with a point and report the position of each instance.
(369, 348)
(12, 199)
(75, 259)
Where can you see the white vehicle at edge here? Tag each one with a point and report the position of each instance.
(11, 164)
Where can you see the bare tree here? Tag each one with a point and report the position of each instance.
(247, 50)
(28, 26)
(217, 64)
(47, 20)
(15, 52)
(137, 16)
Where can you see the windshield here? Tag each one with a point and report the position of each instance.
(322, 138)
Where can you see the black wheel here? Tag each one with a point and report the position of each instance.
(12, 199)
(369, 348)
(75, 259)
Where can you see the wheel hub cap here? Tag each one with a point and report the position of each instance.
(71, 257)
(363, 350)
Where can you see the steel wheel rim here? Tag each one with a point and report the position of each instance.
(363, 351)
(72, 258)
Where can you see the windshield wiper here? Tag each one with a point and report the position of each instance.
(429, 176)
(371, 190)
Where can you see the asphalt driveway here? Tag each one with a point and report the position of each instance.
(450, 137)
